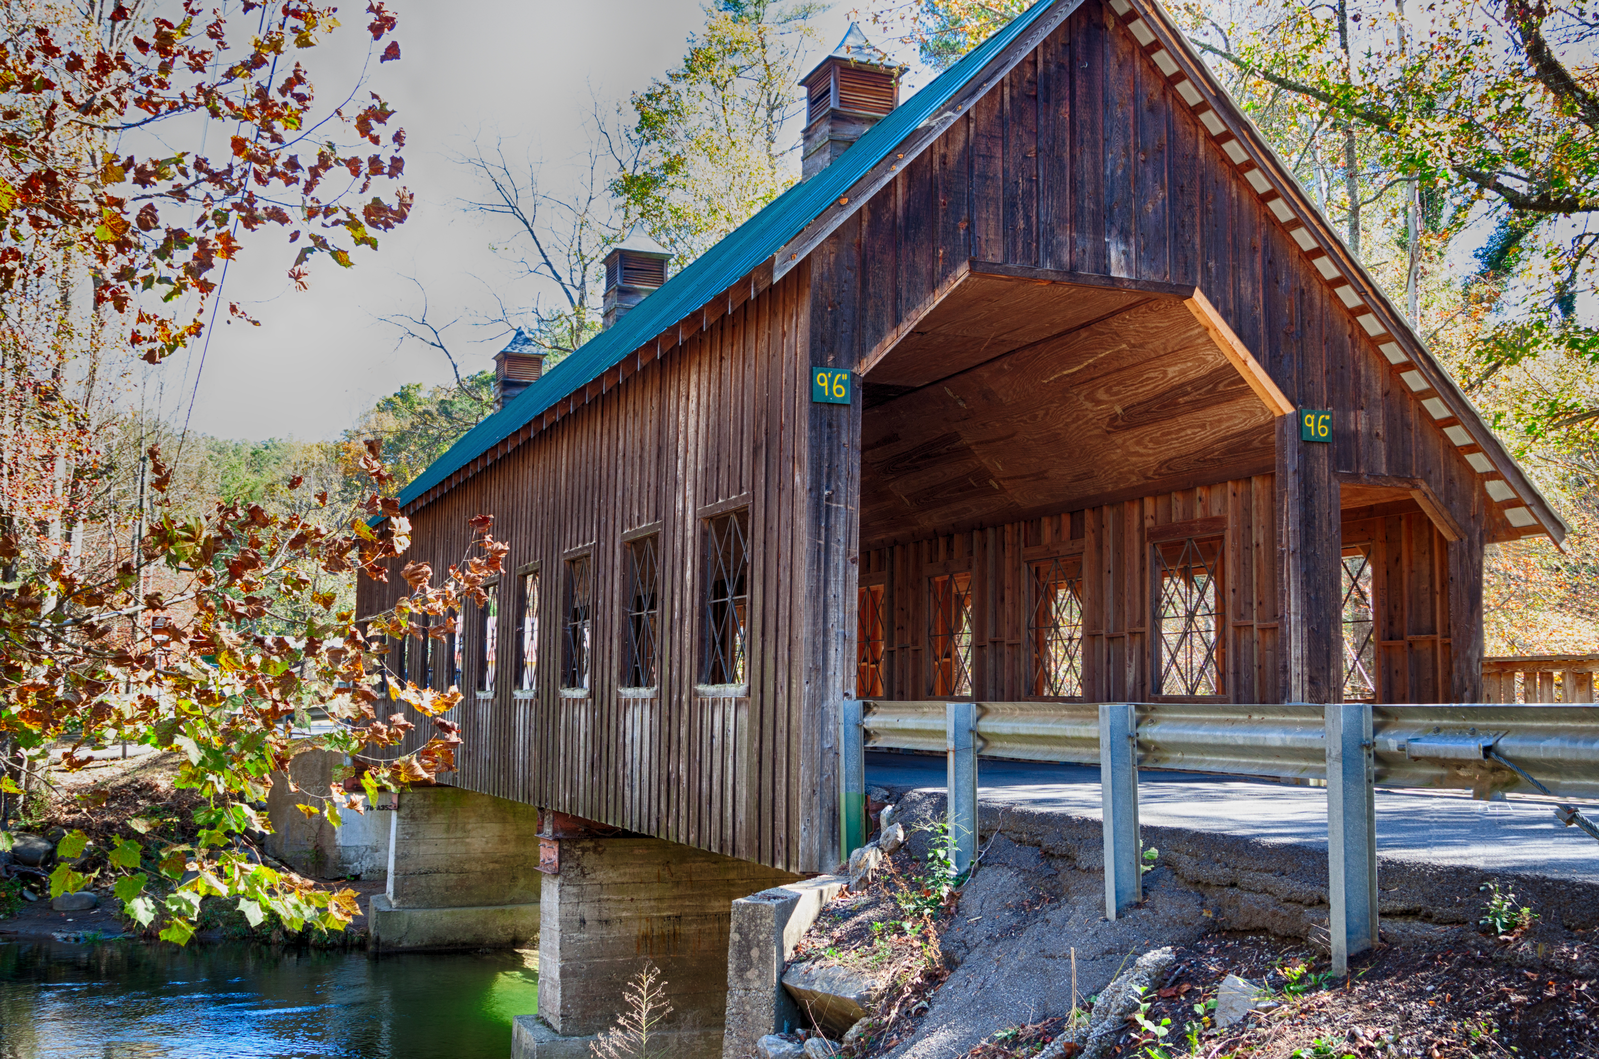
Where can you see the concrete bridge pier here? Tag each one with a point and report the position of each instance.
(462, 873)
(613, 901)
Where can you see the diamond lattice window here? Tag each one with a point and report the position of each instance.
(639, 661)
(727, 566)
(1188, 617)
(1360, 645)
(871, 638)
(578, 624)
(457, 652)
(488, 642)
(423, 652)
(528, 681)
(1055, 628)
(949, 634)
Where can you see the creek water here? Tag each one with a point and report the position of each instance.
(126, 1000)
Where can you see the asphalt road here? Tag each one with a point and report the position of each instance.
(1442, 827)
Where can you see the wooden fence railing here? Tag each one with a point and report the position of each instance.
(1540, 678)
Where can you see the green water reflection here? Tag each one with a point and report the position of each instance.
(120, 1000)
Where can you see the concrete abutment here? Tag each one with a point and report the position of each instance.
(617, 902)
(462, 873)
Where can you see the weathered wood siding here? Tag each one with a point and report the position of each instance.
(709, 425)
(1110, 547)
(1083, 159)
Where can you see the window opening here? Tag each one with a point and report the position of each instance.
(529, 679)
(871, 639)
(423, 664)
(643, 609)
(1189, 617)
(723, 659)
(949, 634)
(456, 647)
(579, 625)
(1055, 628)
(1359, 628)
(488, 641)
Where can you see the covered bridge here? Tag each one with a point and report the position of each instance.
(1046, 382)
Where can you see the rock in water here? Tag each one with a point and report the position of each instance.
(820, 1048)
(834, 997)
(32, 851)
(1235, 998)
(81, 901)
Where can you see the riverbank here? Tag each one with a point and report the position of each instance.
(136, 798)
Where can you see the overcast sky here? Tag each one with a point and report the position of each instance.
(526, 71)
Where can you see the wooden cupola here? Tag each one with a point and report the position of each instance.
(849, 91)
(633, 268)
(516, 367)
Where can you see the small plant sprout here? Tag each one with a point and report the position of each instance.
(1150, 856)
(1502, 915)
(1299, 979)
(1151, 1032)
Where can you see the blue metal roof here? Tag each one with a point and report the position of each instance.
(735, 257)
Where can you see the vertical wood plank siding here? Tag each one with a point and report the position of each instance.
(1085, 141)
(1080, 159)
(712, 420)
(1112, 543)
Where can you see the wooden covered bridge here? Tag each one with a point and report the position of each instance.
(1046, 382)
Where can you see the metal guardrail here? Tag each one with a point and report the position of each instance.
(1354, 747)
(1557, 744)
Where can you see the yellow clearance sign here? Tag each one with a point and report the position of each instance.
(831, 386)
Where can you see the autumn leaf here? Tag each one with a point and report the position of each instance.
(71, 845)
(129, 887)
(391, 53)
(127, 854)
(113, 226)
(177, 931)
(251, 911)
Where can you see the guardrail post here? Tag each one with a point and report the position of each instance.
(1118, 785)
(1351, 832)
(852, 823)
(960, 720)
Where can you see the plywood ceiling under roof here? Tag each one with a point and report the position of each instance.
(1013, 397)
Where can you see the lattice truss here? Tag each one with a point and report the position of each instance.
(1055, 629)
(643, 609)
(871, 637)
(579, 624)
(949, 634)
(530, 633)
(727, 599)
(1189, 617)
(1359, 628)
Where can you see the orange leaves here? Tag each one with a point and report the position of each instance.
(160, 473)
(417, 575)
(382, 21)
(175, 67)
